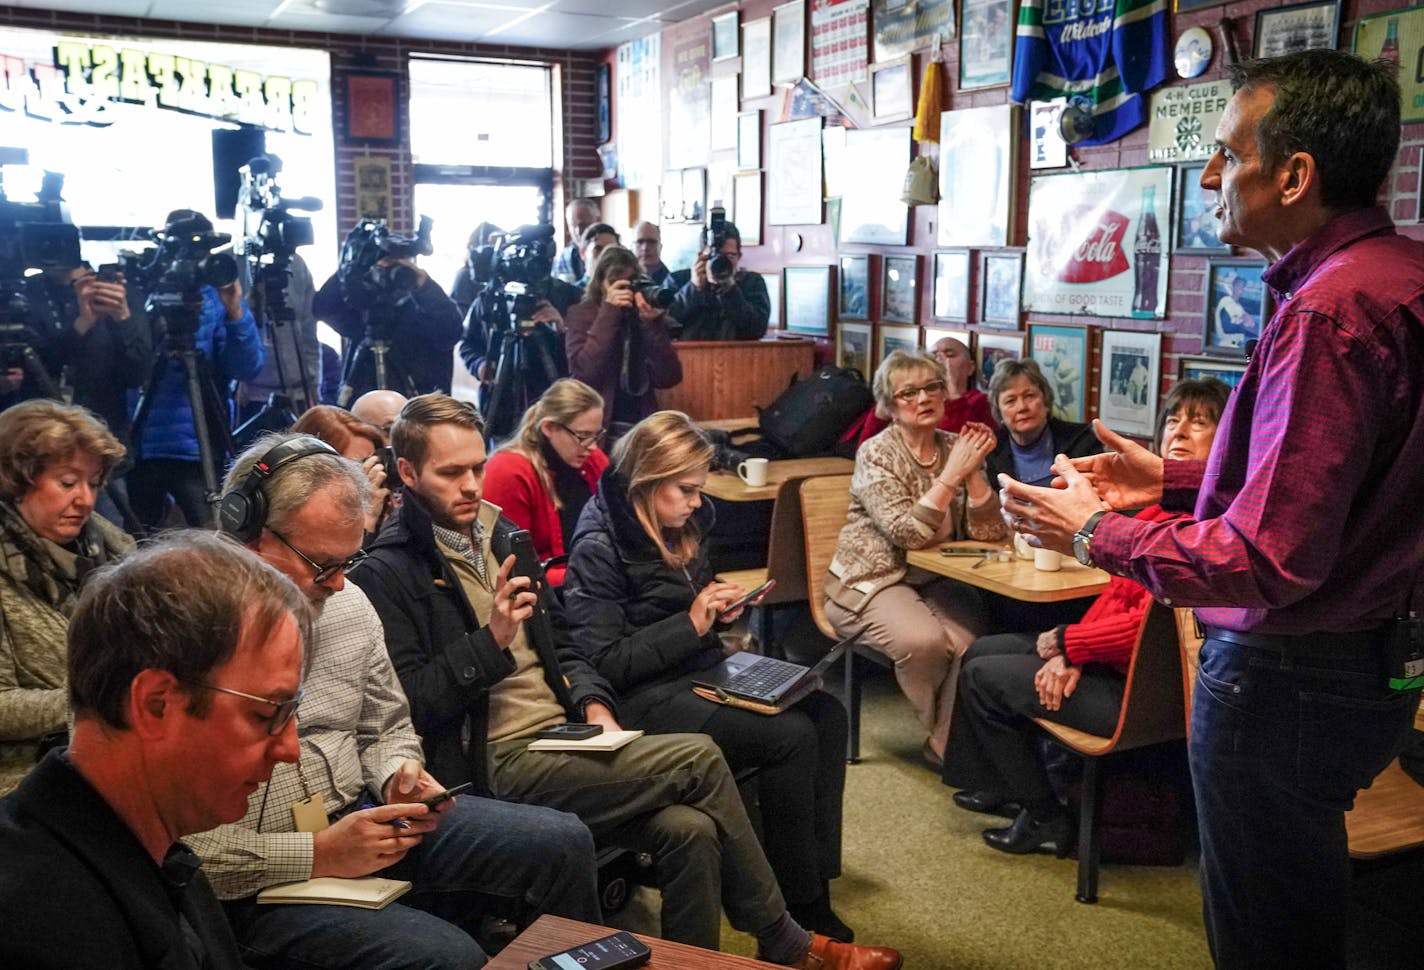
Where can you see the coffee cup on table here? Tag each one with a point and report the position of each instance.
(1047, 560)
(753, 471)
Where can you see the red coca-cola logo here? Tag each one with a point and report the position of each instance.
(1093, 241)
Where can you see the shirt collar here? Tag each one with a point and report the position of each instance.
(1289, 273)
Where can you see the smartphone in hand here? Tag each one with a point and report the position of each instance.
(447, 794)
(751, 597)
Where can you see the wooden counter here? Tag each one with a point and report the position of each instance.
(730, 378)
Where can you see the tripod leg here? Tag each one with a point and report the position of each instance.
(348, 380)
(207, 459)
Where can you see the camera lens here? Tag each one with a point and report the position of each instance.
(218, 270)
(720, 266)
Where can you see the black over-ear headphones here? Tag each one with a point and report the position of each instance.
(243, 511)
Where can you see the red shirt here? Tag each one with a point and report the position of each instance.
(972, 405)
(512, 484)
(1308, 517)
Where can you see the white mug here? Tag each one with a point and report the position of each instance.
(753, 471)
(1047, 560)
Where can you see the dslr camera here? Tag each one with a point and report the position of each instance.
(719, 267)
(365, 284)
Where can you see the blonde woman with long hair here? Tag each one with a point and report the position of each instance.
(544, 476)
(643, 604)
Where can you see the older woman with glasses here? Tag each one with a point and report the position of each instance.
(54, 459)
(543, 478)
(963, 401)
(914, 485)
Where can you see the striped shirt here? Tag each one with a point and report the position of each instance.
(1308, 517)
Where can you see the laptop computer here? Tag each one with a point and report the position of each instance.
(764, 684)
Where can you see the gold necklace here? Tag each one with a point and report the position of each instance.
(915, 453)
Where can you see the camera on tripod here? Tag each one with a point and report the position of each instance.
(365, 283)
(180, 267)
(719, 267)
(279, 233)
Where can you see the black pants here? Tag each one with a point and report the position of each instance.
(801, 756)
(152, 481)
(991, 740)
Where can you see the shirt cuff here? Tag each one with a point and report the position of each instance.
(1111, 543)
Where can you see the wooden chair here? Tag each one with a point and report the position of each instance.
(1151, 713)
(1189, 641)
(1388, 816)
(824, 503)
(785, 563)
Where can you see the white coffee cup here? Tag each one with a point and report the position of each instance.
(753, 471)
(1047, 560)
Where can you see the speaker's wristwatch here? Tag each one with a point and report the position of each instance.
(1083, 538)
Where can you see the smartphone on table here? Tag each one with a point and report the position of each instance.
(609, 953)
(751, 597)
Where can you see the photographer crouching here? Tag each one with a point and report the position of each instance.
(400, 327)
(721, 301)
(209, 339)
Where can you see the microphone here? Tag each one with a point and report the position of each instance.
(307, 203)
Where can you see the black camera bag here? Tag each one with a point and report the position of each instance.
(810, 416)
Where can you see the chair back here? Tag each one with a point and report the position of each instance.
(1151, 698)
(1189, 640)
(785, 555)
(824, 503)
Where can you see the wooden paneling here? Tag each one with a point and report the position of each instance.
(728, 379)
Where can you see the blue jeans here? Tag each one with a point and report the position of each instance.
(1280, 744)
(486, 856)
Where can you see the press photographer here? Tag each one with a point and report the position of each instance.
(207, 339)
(512, 343)
(721, 301)
(399, 325)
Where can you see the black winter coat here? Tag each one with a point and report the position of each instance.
(1069, 438)
(446, 659)
(628, 610)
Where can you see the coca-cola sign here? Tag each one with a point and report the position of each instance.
(1098, 255)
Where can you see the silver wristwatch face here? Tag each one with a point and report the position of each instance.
(1081, 550)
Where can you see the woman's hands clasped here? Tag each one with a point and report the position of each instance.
(967, 454)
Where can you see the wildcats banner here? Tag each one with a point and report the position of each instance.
(1095, 243)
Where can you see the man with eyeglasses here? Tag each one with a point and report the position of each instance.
(185, 671)
(722, 301)
(350, 807)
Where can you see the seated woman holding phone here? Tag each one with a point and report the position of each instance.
(642, 602)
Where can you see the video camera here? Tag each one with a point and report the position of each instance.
(525, 255)
(279, 232)
(365, 284)
(177, 271)
(719, 267)
(33, 236)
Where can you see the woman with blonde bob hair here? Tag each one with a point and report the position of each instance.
(545, 475)
(644, 605)
(54, 459)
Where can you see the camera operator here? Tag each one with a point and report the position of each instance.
(300, 292)
(169, 459)
(466, 286)
(722, 301)
(580, 214)
(618, 341)
(389, 299)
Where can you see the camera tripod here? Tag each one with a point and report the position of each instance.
(529, 357)
(375, 350)
(283, 407)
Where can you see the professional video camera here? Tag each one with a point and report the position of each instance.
(178, 269)
(719, 267)
(365, 284)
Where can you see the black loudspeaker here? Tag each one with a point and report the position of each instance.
(243, 511)
(233, 149)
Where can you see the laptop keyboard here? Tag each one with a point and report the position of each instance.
(764, 676)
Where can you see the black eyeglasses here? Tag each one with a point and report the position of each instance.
(282, 711)
(320, 573)
(908, 394)
(585, 439)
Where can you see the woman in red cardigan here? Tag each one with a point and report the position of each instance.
(546, 473)
(1072, 674)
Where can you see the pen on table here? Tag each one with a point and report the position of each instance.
(982, 561)
(395, 823)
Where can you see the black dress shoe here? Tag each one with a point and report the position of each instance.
(986, 802)
(1027, 835)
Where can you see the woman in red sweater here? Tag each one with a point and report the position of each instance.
(549, 470)
(1072, 674)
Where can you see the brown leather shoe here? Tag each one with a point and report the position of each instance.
(826, 954)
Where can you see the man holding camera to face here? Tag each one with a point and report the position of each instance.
(722, 301)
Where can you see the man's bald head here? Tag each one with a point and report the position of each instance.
(379, 408)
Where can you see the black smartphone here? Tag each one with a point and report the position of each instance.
(609, 953)
(447, 794)
(755, 594)
(569, 732)
(108, 272)
(519, 544)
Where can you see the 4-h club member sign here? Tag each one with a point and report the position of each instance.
(1095, 243)
(1184, 119)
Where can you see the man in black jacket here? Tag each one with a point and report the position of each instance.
(484, 674)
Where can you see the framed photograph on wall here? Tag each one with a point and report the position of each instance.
(756, 58)
(853, 348)
(749, 140)
(871, 209)
(1000, 279)
(951, 285)
(1130, 381)
(788, 42)
(808, 299)
(986, 40)
(1200, 368)
(372, 108)
(854, 301)
(990, 348)
(892, 91)
(1298, 27)
(890, 338)
(899, 289)
(724, 112)
(773, 292)
(603, 92)
(1063, 352)
(977, 151)
(794, 166)
(1238, 302)
(725, 36)
(746, 206)
(901, 27)
(934, 335)
(1194, 224)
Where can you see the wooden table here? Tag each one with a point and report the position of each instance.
(1018, 578)
(729, 487)
(550, 934)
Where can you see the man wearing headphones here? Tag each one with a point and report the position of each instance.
(352, 806)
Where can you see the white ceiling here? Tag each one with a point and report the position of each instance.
(568, 24)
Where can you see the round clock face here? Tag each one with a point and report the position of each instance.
(1193, 52)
